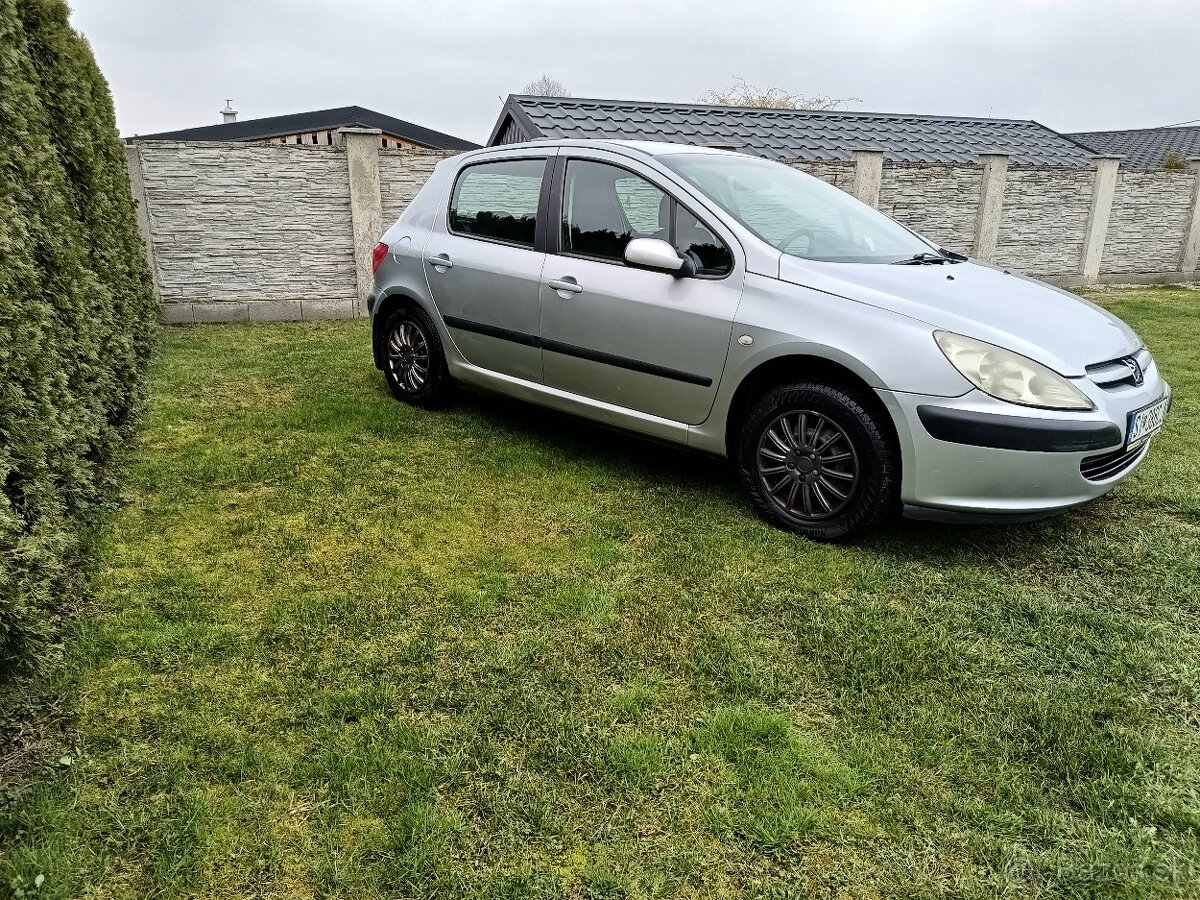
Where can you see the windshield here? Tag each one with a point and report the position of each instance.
(796, 213)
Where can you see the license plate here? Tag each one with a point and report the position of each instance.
(1146, 421)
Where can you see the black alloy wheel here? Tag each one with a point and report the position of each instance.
(808, 465)
(414, 363)
(819, 460)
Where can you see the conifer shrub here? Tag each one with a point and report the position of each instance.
(77, 316)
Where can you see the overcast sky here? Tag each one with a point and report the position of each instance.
(1074, 65)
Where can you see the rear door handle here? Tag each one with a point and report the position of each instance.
(568, 284)
(441, 261)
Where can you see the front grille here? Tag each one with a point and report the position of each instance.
(1111, 464)
(1127, 370)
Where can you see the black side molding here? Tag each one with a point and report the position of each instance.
(961, 426)
(504, 334)
(624, 362)
(608, 359)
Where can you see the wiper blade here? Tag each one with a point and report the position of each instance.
(923, 259)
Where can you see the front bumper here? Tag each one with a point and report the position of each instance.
(984, 458)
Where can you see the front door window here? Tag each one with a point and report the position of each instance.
(605, 207)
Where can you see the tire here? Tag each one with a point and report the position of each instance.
(819, 460)
(414, 363)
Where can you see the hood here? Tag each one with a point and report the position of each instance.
(1052, 326)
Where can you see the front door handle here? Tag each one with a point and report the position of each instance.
(441, 261)
(566, 285)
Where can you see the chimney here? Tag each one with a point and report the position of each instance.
(228, 114)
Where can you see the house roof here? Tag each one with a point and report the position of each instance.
(317, 120)
(1144, 148)
(786, 133)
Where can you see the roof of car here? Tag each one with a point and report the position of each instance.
(649, 148)
(787, 134)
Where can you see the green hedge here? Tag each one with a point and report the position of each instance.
(76, 314)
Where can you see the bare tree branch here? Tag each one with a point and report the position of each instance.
(743, 94)
(546, 86)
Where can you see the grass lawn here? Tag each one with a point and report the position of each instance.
(339, 647)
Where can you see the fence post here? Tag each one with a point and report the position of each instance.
(137, 186)
(1104, 186)
(868, 174)
(991, 204)
(366, 203)
(1191, 240)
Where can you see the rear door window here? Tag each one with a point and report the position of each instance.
(498, 201)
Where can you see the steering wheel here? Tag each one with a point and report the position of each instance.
(811, 231)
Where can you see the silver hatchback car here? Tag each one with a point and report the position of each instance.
(737, 306)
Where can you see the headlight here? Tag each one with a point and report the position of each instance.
(1009, 376)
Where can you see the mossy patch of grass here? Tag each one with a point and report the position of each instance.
(343, 647)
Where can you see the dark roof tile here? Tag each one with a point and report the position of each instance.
(1144, 148)
(798, 134)
(317, 120)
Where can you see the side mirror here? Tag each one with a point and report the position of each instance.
(651, 253)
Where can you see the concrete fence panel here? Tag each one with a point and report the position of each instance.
(1191, 240)
(235, 224)
(839, 174)
(1147, 225)
(1044, 220)
(401, 174)
(277, 231)
(939, 202)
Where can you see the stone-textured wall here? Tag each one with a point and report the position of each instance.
(246, 231)
(938, 201)
(242, 223)
(1043, 220)
(839, 174)
(1148, 219)
(401, 174)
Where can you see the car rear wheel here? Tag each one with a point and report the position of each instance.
(413, 363)
(818, 460)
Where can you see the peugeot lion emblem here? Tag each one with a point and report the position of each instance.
(1135, 369)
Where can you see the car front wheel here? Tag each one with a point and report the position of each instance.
(818, 460)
